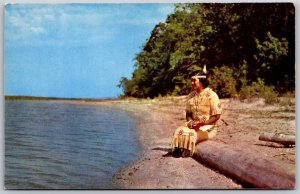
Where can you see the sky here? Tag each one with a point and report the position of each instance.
(75, 50)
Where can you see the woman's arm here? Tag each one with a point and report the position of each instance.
(188, 116)
(212, 120)
(189, 119)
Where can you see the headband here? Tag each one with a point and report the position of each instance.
(199, 76)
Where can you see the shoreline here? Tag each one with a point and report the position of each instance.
(152, 169)
(156, 119)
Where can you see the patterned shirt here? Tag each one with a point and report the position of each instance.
(203, 105)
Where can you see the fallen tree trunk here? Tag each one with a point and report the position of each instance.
(251, 169)
(278, 138)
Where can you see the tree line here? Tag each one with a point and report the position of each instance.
(242, 44)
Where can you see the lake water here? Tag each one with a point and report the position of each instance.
(49, 145)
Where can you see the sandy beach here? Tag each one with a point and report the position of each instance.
(240, 126)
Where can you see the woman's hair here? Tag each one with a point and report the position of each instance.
(203, 78)
(204, 82)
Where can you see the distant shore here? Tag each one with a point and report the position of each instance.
(156, 119)
(56, 98)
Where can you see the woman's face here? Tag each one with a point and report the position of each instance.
(196, 84)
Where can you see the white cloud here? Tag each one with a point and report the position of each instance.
(72, 23)
(140, 21)
(37, 30)
(166, 8)
(149, 14)
(25, 22)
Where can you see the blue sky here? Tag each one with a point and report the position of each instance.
(75, 50)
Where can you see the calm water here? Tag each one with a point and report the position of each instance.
(60, 146)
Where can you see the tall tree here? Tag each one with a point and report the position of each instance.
(258, 37)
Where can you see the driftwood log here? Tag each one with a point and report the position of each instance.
(250, 169)
(278, 138)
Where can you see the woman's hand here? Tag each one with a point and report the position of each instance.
(190, 124)
(197, 126)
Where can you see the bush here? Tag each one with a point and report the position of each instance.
(259, 90)
(223, 82)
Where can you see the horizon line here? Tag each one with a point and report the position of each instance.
(12, 97)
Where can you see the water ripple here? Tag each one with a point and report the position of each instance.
(57, 146)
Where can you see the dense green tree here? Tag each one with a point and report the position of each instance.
(258, 38)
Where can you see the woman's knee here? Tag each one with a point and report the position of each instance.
(202, 136)
(212, 134)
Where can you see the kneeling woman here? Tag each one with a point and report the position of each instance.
(203, 109)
